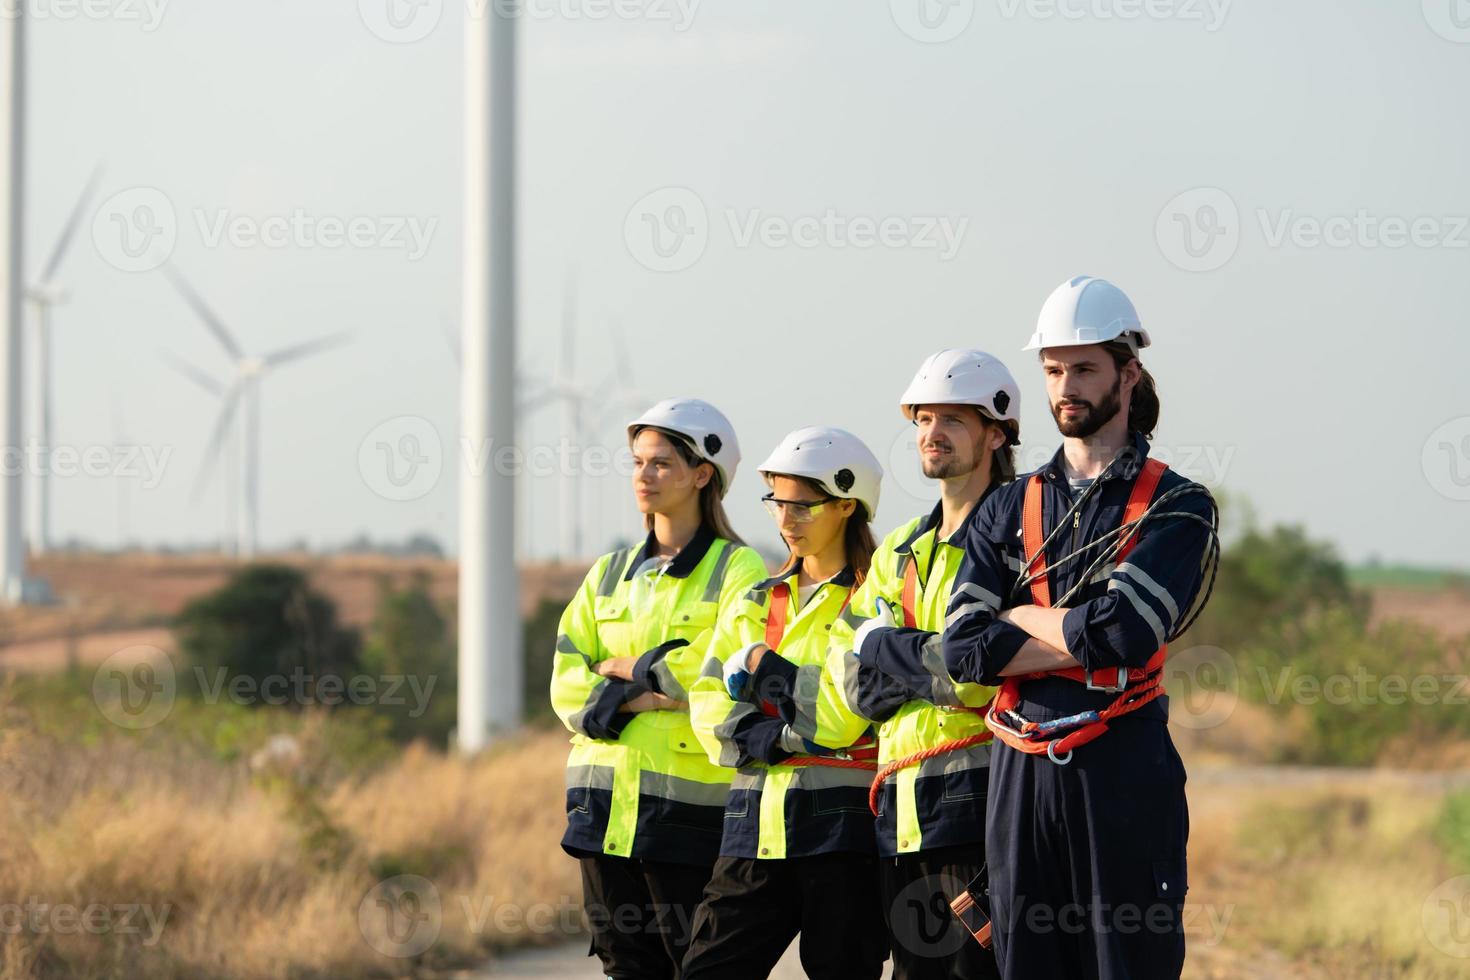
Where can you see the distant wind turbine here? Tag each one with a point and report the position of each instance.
(46, 294)
(250, 370)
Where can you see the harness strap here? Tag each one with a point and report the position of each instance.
(1136, 686)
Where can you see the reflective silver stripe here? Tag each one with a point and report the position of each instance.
(851, 618)
(669, 787)
(751, 777)
(808, 681)
(613, 573)
(589, 777)
(975, 591)
(717, 575)
(942, 687)
(1144, 610)
(1144, 579)
(564, 644)
(849, 685)
(1016, 563)
(578, 720)
(965, 610)
(668, 684)
(975, 757)
(1102, 574)
(829, 777)
(725, 730)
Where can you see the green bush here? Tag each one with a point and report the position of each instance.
(410, 639)
(1453, 829)
(264, 623)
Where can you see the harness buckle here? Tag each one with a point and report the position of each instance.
(1119, 685)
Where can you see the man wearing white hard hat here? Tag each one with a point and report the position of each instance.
(797, 855)
(1075, 579)
(929, 794)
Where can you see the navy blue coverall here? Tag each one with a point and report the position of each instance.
(1086, 860)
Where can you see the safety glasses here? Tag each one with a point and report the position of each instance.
(800, 511)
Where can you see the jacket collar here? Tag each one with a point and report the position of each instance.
(936, 517)
(844, 578)
(1125, 465)
(681, 564)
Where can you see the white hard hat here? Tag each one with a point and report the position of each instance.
(703, 426)
(1087, 310)
(835, 459)
(964, 377)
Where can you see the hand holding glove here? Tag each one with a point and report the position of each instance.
(884, 620)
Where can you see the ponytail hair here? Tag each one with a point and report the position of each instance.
(1143, 408)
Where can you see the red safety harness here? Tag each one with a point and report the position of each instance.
(861, 756)
(1135, 686)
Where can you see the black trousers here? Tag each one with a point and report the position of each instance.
(753, 909)
(1087, 869)
(928, 941)
(639, 913)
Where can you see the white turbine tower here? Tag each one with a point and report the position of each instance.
(46, 294)
(12, 285)
(250, 370)
(490, 668)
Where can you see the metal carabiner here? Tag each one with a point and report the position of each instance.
(1051, 753)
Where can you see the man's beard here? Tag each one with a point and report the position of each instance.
(1096, 416)
(947, 466)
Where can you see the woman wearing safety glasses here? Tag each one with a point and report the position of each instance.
(798, 853)
(644, 804)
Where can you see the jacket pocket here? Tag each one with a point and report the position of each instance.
(1171, 879)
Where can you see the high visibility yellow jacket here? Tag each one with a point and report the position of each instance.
(778, 810)
(639, 785)
(939, 802)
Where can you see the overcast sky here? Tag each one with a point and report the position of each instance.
(785, 207)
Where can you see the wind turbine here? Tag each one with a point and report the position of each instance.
(12, 271)
(250, 371)
(46, 293)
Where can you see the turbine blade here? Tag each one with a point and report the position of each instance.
(297, 351)
(69, 230)
(216, 439)
(193, 373)
(201, 308)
